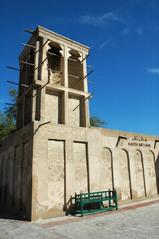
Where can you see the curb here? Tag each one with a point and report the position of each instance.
(91, 216)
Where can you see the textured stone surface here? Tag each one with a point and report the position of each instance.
(66, 160)
(130, 224)
(105, 163)
(150, 174)
(124, 175)
(139, 173)
(80, 168)
(56, 174)
(74, 116)
(52, 108)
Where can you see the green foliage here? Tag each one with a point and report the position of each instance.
(8, 116)
(96, 122)
(12, 109)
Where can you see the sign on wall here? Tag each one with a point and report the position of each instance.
(140, 141)
(135, 141)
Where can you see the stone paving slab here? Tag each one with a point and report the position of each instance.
(129, 206)
(139, 223)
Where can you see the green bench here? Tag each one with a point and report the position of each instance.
(93, 202)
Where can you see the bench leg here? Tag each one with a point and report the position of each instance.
(116, 204)
(109, 203)
(81, 209)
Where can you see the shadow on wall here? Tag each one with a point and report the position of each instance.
(157, 172)
(9, 211)
(12, 207)
(69, 208)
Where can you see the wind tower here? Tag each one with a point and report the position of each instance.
(53, 155)
(47, 157)
(53, 81)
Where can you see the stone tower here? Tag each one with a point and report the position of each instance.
(53, 81)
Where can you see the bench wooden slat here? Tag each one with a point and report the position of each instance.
(84, 199)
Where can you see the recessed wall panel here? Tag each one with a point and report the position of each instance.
(139, 173)
(52, 107)
(74, 114)
(56, 157)
(80, 167)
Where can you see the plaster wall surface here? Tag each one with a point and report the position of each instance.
(40, 174)
(123, 170)
(105, 168)
(79, 164)
(84, 159)
(74, 116)
(150, 174)
(56, 161)
(139, 173)
(52, 107)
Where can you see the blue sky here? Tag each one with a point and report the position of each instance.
(124, 40)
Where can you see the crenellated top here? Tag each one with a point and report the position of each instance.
(52, 36)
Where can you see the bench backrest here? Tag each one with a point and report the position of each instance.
(96, 195)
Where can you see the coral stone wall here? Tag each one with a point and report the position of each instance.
(43, 166)
(81, 159)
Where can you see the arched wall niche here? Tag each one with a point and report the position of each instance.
(105, 166)
(55, 63)
(139, 174)
(108, 161)
(157, 171)
(124, 186)
(75, 71)
(150, 173)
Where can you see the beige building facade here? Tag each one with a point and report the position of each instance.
(55, 153)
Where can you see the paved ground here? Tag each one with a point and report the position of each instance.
(142, 222)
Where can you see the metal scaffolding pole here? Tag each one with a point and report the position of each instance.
(14, 83)
(83, 100)
(29, 31)
(87, 75)
(86, 57)
(13, 68)
(27, 63)
(28, 45)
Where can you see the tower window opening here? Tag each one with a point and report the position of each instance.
(75, 72)
(54, 66)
